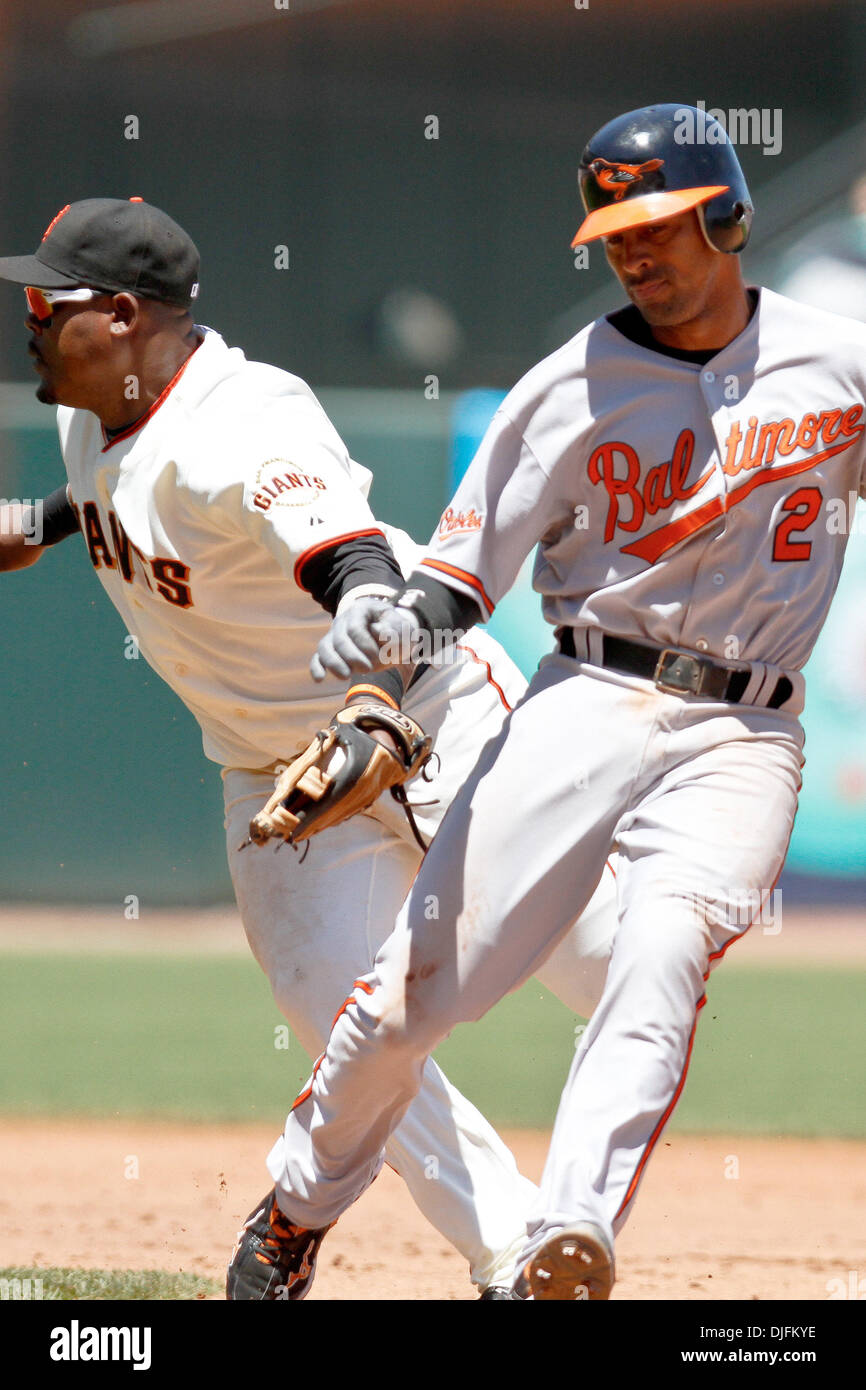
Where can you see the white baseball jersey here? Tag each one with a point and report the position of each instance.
(696, 506)
(233, 452)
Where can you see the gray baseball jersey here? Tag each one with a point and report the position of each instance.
(630, 470)
(682, 503)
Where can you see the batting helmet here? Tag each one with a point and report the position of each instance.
(662, 160)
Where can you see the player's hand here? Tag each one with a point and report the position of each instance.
(368, 636)
(349, 645)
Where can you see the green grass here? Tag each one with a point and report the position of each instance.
(777, 1052)
(148, 1285)
(123, 1035)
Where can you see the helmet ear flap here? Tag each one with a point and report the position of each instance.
(702, 223)
(728, 234)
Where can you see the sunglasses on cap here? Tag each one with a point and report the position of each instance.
(41, 302)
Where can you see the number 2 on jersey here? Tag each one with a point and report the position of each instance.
(803, 506)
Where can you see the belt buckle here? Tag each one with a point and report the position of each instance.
(679, 672)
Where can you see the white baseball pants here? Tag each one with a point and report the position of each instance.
(699, 799)
(317, 923)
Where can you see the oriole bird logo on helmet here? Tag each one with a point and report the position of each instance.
(618, 178)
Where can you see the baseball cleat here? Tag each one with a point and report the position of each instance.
(576, 1263)
(496, 1293)
(273, 1259)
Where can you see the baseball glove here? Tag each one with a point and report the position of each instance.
(343, 771)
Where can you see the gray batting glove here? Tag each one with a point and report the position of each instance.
(397, 631)
(368, 636)
(349, 645)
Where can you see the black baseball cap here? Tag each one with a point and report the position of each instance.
(112, 244)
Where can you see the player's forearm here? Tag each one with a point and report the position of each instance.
(18, 544)
(363, 565)
(441, 615)
(389, 685)
(25, 531)
(424, 621)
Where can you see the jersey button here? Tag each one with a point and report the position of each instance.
(702, 644)
(709, 376)
(180, 668)
(718, 578)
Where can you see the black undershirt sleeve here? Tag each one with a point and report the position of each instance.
(329, 574)
(388, 685)
(438, 608)
(58, 519)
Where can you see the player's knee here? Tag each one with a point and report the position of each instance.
(404, 1023)
(287, 989)
(668, 952)
(308, 1018)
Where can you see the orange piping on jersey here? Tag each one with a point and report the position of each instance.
(329, 545)
(374, 690)
(462, 647)
(140, 423)
(463, 575)
(651, 547)
(305, 1094)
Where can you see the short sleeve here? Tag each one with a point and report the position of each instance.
(302, 493)
(502, 508)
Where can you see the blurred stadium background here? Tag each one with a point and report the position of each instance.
(424, 276)
(419, 269)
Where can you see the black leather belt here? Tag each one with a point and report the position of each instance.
(677, 671)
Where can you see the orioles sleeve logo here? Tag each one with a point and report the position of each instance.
(618, 178)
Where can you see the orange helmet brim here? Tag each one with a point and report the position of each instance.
(635, 212)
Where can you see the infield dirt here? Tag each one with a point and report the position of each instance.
(717, 1217)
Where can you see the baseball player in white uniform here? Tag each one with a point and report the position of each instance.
(671, 466)
(226, 522)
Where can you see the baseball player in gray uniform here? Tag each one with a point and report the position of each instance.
(227, 522)
(671, 465)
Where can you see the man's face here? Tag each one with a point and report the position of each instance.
(69, 352)
(668, 270)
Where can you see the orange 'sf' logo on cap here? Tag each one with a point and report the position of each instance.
(53, 223)
(618, 178)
